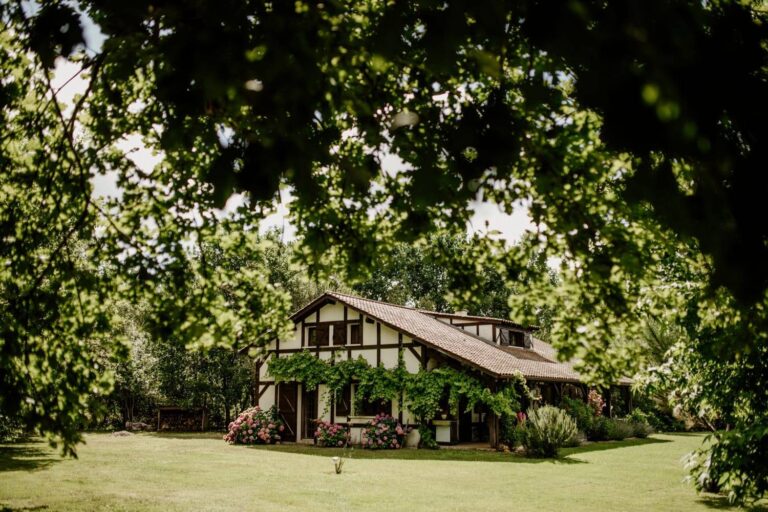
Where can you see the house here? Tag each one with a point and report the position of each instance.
(348, 326)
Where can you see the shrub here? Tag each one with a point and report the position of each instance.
(10, 429)
(618, 429)
(383, 433)
(580, 412)
(331, 434)
(640, 424)
(255, 426)
(641, 430)
(547, 430)
(599, 429)
(664, 421)
(427, 438)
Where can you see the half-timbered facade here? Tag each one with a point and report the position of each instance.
(494, 348)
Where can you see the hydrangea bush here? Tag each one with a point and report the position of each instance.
(383, 433)
(255, 426)
(331, 434)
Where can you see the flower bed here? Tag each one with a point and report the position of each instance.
(255, 426)
(331, 434)
(383, 433)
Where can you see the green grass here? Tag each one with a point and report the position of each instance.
(201, 472)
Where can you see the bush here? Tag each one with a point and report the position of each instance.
(599, 430)
(329, 434)
(10, 429)
(383, 433)
(427, 438)
(580, 412)
(640, 425)
(512, 429)
(641, 430)
(547, 430)
(576, 440)
(255, 426)
(593, 426)
(618, 429)
(664, 421)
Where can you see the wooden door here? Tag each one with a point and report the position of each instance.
(308, 413)
(287, 399)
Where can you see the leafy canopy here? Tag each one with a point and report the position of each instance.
(634, 130)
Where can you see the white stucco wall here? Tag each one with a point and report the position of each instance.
(389, 358)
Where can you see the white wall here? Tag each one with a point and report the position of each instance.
(389, 358)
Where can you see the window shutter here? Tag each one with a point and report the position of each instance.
(322, 335)
(340, 333)
(355, 334)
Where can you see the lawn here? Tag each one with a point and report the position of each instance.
(201, 472)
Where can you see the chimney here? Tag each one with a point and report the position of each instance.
(463, 312)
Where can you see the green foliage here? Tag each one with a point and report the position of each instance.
(422, 275)
(512, 432)
(582, 413)
(427, 438)
(733, 410)
(618, 430)
(639, 420)
(422, 391)
(546, 430)
(10, 429)
(507, 102)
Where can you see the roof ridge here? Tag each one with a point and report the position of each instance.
(418, 310)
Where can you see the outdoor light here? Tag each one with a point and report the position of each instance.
(338, 462)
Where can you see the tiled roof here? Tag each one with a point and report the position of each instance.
(458, 344)
(488, 319)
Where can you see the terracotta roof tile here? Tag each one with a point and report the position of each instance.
(462, 346)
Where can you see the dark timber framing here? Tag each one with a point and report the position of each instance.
(420, 350)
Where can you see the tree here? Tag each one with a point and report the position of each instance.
(426, 275)
(631, 128)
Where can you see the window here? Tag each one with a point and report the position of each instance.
(373, 407)
(508, 337)
(318, 336)
(344, 401)
(340, 333)
(356, 334)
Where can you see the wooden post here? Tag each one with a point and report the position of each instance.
(493, 423)
(493, 429)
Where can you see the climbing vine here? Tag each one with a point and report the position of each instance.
(421, 392)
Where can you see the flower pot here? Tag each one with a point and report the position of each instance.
(412, 439)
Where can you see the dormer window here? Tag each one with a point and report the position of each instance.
(510, 338)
